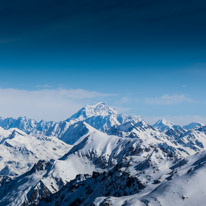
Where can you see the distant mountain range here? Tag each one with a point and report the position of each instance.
(100, 157)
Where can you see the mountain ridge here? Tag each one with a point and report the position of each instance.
(113, 159)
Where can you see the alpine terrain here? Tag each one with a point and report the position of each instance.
(98, 157)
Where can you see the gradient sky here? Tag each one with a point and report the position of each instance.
(143, 57)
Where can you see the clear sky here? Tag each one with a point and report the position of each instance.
(142, 57)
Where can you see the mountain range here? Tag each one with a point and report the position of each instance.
(99, 157)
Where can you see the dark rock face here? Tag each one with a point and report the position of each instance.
(84, 189)
(39, 192)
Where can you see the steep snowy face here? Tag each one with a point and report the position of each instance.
(193, 125)
(20, 151)
(68, 132)
(101, 117)
(107, 151)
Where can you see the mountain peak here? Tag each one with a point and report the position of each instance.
(93, 110)
(163, 125)
(101, 116)
(99, 103)
(193, 125)
(164, 122)
(100, 109)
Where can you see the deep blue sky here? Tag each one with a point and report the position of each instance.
(145, 57)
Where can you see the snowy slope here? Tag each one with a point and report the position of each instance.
(185, 186)
(20, 151)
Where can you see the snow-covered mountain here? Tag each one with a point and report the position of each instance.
(19, 151)
(26, 125)
(99, 116)
(192, 140)
(100, 109)
(184, 185)
(113, 159)
(102, 117)
(163, 125)
(193, 125)
(94, 152)
(69, 132)
(134, 179)
(169, 128)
